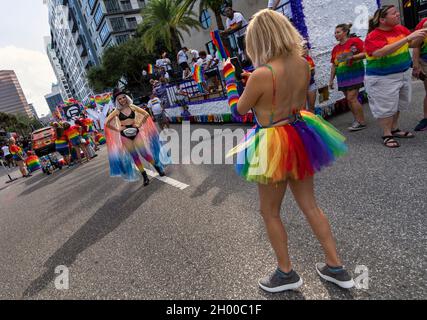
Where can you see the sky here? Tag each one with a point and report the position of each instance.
(23, 25)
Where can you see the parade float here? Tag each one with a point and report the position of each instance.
(316, 22)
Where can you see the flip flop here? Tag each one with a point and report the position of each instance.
(404, 135)
(389, 142)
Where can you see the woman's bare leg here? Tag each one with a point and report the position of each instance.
(271, 197)
(303, 191)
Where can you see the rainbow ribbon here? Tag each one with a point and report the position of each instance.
(217, 41)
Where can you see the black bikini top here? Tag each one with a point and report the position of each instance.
(123, 117)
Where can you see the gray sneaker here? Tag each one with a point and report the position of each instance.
(277, 282)
(356, 126)
(341, 278)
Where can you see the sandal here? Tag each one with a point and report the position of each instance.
(389, 142)
(402, 134)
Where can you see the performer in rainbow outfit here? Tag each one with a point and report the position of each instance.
(287, 145)
(129, 130)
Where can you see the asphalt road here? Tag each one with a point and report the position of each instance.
(120, 240)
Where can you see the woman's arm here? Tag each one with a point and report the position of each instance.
(413, 39)
(416, 61)
(110, 117)
(333, 74)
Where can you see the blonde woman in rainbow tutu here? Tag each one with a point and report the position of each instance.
(287, 146)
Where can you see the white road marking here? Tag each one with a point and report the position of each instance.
(167, 180)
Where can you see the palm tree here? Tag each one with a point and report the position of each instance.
(164, 20)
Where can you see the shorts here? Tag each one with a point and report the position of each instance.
(160, 118)
(8, 157)
(184, 65)
(65, 152)
(212, 73)
(389, 94)
(353, 87)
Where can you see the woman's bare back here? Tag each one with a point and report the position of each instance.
(292, 79)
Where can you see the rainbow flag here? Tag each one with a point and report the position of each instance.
(198, 73)
(33, 163)
(198, 76)
(150, 68)
(216, 39)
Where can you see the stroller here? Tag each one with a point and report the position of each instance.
(51, 162)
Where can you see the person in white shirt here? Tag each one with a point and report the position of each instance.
(210, 69)
(286, 10)
(236, 21)
(7, 156)
(182, 59)
(194, 56)
(155, 105)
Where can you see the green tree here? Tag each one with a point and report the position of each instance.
(165, 20)
(122, 64)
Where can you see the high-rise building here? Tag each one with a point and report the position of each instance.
(111, 22)
(12, 98)
(33, 111)
(53, 100)
(63, 86)
(68, 43)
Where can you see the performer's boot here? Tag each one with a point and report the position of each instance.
(160, 171)
(146, 180)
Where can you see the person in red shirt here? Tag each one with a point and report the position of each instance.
(73, 135)
(312, 90)
(420, 71)
(388, 78)
(18, 156)
(347, 66)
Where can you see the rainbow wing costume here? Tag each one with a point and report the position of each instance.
(295, 150)
(146, 142)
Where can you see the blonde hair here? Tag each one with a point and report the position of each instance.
(119, 106)
(269, 35)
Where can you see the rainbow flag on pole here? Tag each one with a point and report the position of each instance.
(216, 39)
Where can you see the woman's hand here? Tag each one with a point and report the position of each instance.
(416, 70)
(422, 33)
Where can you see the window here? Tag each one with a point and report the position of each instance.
(118, 24)
(131, 22)
(91, 4)
(205, 19)
(98, 15)
(126, 5)
(122, 38)
(112, 6)
(105, 32)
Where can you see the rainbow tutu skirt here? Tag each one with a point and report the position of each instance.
(292, 151)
